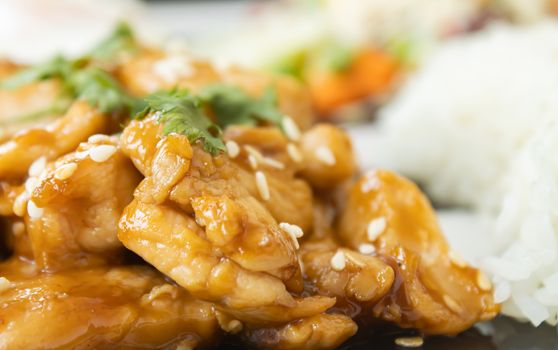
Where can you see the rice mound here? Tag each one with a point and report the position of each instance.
(525, 269)
(478, 127)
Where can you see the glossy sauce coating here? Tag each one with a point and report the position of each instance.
(271, 240)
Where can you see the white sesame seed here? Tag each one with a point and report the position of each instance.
(171, 68)
(253, 162)
(20, 204)
(33, 210)
(291, 129)
(338, 261)
(274, 163)
(97, 138)
(375, 228)
(293, 231)
(5, 284)
(232, 148)
(261, 184)
(37, 166)
(457, 259)
(82, 154)
(483, 282)
(325, 155)
(366, 248)
(290, 228)
(101, 153)
(254, 152)
(409, 342)
(31, 183)
(294, 152)
(452, 304)
(65, 171)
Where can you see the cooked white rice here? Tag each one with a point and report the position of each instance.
(478, 127)
(462, 119)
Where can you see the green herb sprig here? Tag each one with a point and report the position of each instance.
(82, 79)
(232, 105)
(181, 113)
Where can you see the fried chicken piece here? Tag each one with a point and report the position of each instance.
(328, 156)
(176, 245)
(74, 207)
(153, 71)
(345, 273)
(175, 170)
(435, 293)
(202, 221)
(52, 140)
(292, 98)
(320, 332)
(103, 308)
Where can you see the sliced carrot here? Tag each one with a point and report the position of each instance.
(371, 72)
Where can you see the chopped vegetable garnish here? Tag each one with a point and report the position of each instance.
(100, 90)
(121, 40)
(339, 59)
(58, 67)
(231, 105)
(181, 113)
(81, 79)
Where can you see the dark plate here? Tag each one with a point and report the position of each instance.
(501, 334)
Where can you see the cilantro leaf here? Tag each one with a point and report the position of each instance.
(121, 40)
(58, 67)
(180, 112)
(102, 91)
(232, 105)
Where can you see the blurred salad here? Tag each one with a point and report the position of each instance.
(352, 54)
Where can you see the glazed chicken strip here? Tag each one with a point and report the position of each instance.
(175, 244)
(102, 308)
(154, 71)
(52, 140)
(74, 205)
(435, 291)
(200, 220)
(320, 332)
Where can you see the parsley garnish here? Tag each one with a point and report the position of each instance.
(102, 91)
(232, 105)
(182, 113)
(82, 79)
(58, 67)
(121, 40)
